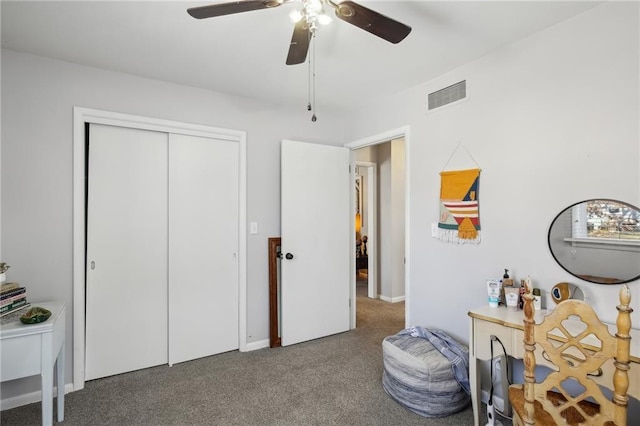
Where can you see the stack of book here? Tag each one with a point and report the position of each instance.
(12, 298)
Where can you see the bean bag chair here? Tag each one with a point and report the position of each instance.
(419, 377)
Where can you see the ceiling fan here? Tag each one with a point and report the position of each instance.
(307, 19)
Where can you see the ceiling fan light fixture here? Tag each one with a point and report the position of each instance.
(313, 6)
(312, 13)
(324, 19)
(295, 16)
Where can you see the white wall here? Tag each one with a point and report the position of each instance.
(38, 95)
(551, 120)
(385, 220)
(397, 215)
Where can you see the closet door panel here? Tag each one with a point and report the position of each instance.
(203, 247)
(126, 294)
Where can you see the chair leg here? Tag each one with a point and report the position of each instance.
(516, 420)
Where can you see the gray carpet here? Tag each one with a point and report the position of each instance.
(331, 381)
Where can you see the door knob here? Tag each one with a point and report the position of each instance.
(288, 256)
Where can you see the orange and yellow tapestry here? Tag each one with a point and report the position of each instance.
(459, 219)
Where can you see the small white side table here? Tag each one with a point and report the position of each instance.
(29, 350)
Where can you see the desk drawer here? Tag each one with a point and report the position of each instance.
(485, 329)
(20, 357)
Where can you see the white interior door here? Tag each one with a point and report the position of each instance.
(203, 247)
(126, 290)
(316, 219)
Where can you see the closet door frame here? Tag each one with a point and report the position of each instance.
(83, 116)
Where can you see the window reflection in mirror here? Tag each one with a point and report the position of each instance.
(598, 241)
(607, 219)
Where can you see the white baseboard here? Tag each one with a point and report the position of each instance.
(392, 299)
(29, 398)
(260, 344)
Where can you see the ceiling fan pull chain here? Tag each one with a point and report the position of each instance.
(309, 81)
(313, 46)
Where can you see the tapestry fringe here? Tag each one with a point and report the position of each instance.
(451, 236)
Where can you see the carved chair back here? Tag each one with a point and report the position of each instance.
(578, 344)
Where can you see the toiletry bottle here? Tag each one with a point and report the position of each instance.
(506, 282)
(549, 302)
(537, 299)
(523, 287)
(494, 288)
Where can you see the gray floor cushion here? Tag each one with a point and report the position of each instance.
(420, 378)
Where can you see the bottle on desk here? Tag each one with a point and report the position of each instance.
(537, 299)
(494, 290)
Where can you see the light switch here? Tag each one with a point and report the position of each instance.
(253, 227)
(434, 229)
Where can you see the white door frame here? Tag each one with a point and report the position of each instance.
(401, 132)
(372, 226)
(81, 116)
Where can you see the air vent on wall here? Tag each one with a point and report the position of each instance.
(445, 96)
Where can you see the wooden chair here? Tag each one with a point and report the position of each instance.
(576, 354)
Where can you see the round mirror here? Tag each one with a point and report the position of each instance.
(598, 241)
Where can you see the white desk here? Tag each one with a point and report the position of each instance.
(508, 326)
(29, 350)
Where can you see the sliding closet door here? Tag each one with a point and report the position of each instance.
(126, 291)
(203, 247)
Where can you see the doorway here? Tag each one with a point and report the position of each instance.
(390, 274)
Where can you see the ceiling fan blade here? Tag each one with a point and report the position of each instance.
(299, 43)
(372, 21)
(220, 9)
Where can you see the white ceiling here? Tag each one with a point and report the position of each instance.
(244, 54)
